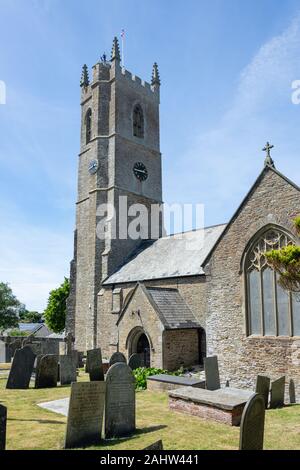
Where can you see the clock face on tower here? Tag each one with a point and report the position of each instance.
(140, 171)
(93, 167)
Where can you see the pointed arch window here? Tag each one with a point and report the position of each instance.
(271, 311)
(138, 121)
(88, 125)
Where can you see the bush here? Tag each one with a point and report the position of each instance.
(142, 373)
(17, 332)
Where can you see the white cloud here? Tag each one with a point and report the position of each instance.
(227, 159)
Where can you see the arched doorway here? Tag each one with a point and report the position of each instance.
(143, 349)
(139, 343)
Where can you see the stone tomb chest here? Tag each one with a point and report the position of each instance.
(164, 382)
(224, 405)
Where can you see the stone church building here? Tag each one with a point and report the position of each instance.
(171, 303)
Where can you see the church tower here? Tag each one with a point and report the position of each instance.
(119, 160)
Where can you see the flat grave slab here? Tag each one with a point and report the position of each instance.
(164, 382)
(57, 406)
(223, 405)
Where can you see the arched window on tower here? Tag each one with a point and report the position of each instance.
(138, 121)
(271, 311)
(88, 125)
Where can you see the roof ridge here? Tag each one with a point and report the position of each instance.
(193, 230)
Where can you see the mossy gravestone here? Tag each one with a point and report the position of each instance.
(85, 415)
(277, 393)
(263, 387)
(21, 369)
(117, 357)
(135, 361)
(120, 401)
(47, 371)
(95, 366)
(253, 424)
(3, 418)
(67, 369)
(212, 377)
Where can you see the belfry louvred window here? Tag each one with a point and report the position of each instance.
(88, 125)
(138, 121)
(272, 311)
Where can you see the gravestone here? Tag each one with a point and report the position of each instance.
(47, 371)
(120, 401)
(292, 391)
(135, 361)
(3, 419)
(5, 355)
(158, 445)
(94, 360)
(80, 359)
(21, 369)
(253, 424)
(277, 393)
(67, 370)
(212, 373)
(263, 387)
(69, 340)
(117, 357)
(85, 415)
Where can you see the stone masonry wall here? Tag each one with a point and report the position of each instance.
(192, 289)
(241, 358)
(180, 348)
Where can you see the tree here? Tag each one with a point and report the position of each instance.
(55, 313)
(27, 316)
(286, 262)
(9, 305)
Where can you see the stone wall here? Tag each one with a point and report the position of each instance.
(241, 358)
(180, 348)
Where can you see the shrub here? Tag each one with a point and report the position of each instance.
(142, 373)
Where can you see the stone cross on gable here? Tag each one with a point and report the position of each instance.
(268, 159)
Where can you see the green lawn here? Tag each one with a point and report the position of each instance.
(31, 427)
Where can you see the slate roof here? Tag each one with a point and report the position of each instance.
(173, 256)
(172, 309)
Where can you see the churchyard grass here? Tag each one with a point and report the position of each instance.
(31, 427)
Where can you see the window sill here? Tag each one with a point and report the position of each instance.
(275, 338)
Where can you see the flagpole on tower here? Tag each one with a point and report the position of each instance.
(122, 46)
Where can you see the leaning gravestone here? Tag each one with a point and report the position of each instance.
(95, 366)
(158, 445)
(277, 393)
(120, 401)
(67, 370)
(135, 361)
(292, 391)
(117, 357)
(21, 369)
(253, 424)
(212, 373)
(3, 418)
(85, 415)
(47, 372)
(263, 387)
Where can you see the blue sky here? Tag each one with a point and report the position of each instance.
(226, 68)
